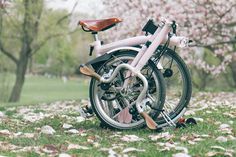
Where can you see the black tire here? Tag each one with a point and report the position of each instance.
(185, 88)
(99, 105)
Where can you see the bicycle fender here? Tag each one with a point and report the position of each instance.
(123, 48)
(95, 63)
(101, 59)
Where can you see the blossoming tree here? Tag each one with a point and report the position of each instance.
(211, 24)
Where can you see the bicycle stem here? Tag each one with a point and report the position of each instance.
(89, 72)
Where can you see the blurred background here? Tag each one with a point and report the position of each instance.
(41, 44)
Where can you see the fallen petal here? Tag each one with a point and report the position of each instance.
(96, 144)
(64, 155)
(5, 132)
(191, 142)
(185, 150)
(218, 147)
(198, 139)
(221, 139)
(223, 126)
(181, 155)
(76, 146)
(67, 126)
(80, 119)
(131, 138)
(131, 149)
(228, 154)
(112, 153)
(210, 154)
(49, 148)
(2, 115)
(4, 146)
(28, 135)
(47, 130)
(73, 131)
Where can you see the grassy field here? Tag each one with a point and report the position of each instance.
(39, 89)
(21, 126)
(25, 138)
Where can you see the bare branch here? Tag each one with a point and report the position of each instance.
(68, 15)
(43, 42)
(8, 54)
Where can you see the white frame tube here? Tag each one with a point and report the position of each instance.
(134, 41)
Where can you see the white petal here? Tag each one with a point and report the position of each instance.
(5, 132)
(131, 138)
(131, 149)
(73, 131)
(181, 155)
(76, 146)
(218, 147)
(221, 139)
(80, 119)
(2, 115)
(67, 126)
(223, 126)
(47, 130)
(64, 155)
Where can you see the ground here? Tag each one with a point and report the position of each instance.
(52, 129)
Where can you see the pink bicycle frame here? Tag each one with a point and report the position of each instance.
(149, 45)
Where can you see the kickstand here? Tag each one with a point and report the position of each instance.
(167, 118)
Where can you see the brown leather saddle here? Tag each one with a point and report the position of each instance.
(98, 25)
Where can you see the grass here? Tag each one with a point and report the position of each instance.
(106, 139)
(39, 89)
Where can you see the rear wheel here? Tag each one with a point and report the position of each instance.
(110, 100)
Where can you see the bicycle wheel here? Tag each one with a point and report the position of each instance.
(178, 85)
(108, 100)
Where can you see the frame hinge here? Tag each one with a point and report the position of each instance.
(148, 43)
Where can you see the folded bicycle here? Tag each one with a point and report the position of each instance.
(139, 79)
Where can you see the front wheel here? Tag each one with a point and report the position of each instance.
(178, 85)
(109, 100)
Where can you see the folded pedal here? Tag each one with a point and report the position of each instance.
(89, 72)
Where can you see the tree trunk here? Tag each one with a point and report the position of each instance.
(20, 78)
(233, 70)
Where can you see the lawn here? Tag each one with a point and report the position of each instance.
(21, 132)
(53, 102)
(39, 89)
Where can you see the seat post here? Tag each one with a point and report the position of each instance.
(95, 36)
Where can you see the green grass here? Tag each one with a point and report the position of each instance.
(105, 139)
(39, 89)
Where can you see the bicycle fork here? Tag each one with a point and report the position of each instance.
(89, 72)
